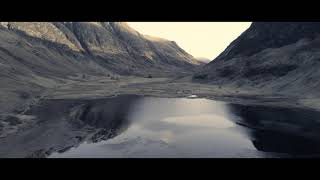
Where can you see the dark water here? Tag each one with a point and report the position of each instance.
(193, 128)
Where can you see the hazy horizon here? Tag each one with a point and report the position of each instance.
(200, 39)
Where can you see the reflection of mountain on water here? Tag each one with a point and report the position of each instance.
(282, 130)
(109, 114)
(66, 123)
(194, 127)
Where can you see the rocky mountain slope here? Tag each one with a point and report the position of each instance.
(115, 43)
(271, 57)
(35, 56)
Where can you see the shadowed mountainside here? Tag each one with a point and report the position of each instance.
(272, 57)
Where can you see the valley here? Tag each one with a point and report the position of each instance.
(64, 84)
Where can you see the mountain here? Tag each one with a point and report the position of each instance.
(203, 59)
(38, 55)
(271, 57)
(115, 45)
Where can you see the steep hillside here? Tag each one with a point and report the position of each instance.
(123, 49)
(35, 56)
(271, 57)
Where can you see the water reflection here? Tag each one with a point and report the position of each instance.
(173, 127)
(110, 115)
(202, 120)
(284, 130)
(182, 127)
(137, 126)
(65, 123)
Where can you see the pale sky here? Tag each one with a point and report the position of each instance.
(200, 39)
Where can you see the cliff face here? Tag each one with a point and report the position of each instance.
(38, 55)
(273, 57)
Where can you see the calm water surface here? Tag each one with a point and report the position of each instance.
(196, 128)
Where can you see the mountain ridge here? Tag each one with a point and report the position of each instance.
(271, 57)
